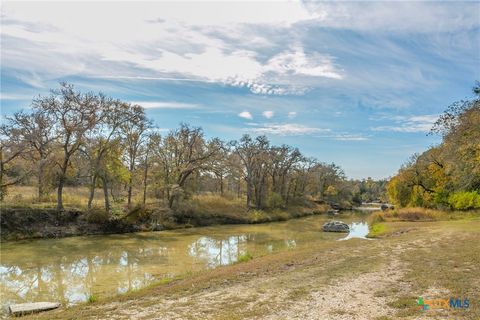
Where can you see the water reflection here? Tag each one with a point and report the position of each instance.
(70, 270)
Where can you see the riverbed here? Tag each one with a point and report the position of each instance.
(70, 270)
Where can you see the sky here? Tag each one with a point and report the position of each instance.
(354, 83)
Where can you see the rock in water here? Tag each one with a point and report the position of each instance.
(26, 308)
(335, 226)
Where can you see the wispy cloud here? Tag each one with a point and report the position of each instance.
(350, 137)
(6, 96)
(245, 115)
(419, 123)
(399, 17)
(287, 129)
(166, 105)
(292, 114)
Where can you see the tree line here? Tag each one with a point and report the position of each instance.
(446, 175)
(91, 140)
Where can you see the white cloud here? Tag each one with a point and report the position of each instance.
(268, 114)
(420, 123)
(245, 115)
(166, 105)
(292, 114)
(261, 46)
(141, 41)
(287, 129)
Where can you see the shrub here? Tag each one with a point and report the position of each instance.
(376, 230)
(279, 215)
(464, 200)
(92, 298)
(441, 198)
(97, 216)
(275, 200)
(258, 216)
(245, 257)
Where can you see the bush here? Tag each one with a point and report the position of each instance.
(279, 215)
(92, 298)
(98, 216)
(464, 200)
(245, 257)
(256, 216)
(275, 200)
(377, 230)
(441, 198)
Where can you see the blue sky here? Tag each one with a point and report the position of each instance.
(355, 83)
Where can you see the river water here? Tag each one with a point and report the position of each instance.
(69, 270)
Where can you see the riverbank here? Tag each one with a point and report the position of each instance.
(360, 279)
(19, 223)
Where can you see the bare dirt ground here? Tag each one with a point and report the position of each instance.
(356, 279)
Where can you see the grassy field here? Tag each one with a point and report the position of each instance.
(355, 279)
(73, 197)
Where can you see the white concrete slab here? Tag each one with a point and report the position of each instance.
(25, 308)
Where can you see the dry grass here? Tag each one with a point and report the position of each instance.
(73, 197)
(421, 214)
(213, 204)
(233, 210)
(27, 196)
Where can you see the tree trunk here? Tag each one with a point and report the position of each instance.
(249, 193)
(170, 201)
(3, 190)
(221, 185)
(61, 181)
(60, 193)
(129, 197)
(92, 191)
(239, 186)
(41, 187)
(105, 193)
(145, 176)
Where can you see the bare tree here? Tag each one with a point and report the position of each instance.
(184, 151)
(36, 130)
(12, 147)
(254, 155)
(283, 158)
(74, 114)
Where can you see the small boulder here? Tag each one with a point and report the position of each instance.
(335, 226)
(386, 206)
